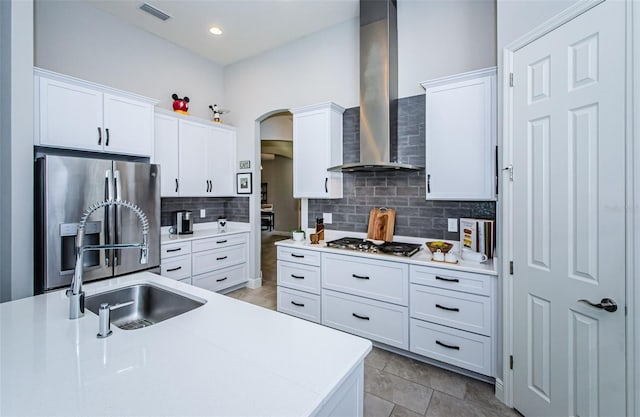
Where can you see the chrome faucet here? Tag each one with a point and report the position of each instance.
(75, 292)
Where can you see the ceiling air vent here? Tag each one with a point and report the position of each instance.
(154, 11)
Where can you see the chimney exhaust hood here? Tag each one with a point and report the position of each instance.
(378, 90)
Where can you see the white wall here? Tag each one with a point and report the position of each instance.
(16, 156)
(76, 39)
(277, 127)
(438, 38)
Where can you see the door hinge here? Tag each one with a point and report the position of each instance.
(511, 79)
(510, 267)
(510, 361)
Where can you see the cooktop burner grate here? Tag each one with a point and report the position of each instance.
(362, 245)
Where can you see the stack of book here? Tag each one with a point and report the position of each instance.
(478, 235)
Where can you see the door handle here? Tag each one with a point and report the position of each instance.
(606, 304)
(106, 130)
(326, 188)
(99, 136)
(176, 185)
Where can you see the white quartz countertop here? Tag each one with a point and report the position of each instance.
(204, 230)
(423, 257)
(225, 358)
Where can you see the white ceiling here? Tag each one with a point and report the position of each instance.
(250, 26)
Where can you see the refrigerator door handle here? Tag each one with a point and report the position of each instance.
(118, 228)
(108, 220)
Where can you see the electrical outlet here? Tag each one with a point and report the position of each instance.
(203, 213)
(328, 218)
(453, 225)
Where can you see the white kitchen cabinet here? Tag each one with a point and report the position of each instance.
(317, 145)
(454, 317)
(460, 136)
(165, 154)
(76, 114)
(193, 159)
(214, 263)
(299, 283)
(197, 158)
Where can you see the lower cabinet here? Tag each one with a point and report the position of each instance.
(214, 263)
(439, 313)
(299, 283)
(383, 322)
(299, 303)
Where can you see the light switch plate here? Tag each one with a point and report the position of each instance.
(203, 213)
(453, 225)
(328, 218)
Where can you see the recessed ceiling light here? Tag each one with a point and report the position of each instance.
(215, 30)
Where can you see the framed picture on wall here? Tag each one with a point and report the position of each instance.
(244, 183)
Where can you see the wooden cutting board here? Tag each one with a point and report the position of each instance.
(382, 221)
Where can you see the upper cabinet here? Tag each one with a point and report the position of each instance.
(197, 158)
(76, 114)
(317, 145)
(460, 136)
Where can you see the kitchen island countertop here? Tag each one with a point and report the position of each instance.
(225, 358)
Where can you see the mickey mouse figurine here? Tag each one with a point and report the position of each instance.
(180, 105)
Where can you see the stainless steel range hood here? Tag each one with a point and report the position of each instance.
(378, 89)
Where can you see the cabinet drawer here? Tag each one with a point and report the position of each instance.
(221, 279)
(375, 320)
(380, 280)
(459, 348)
(301, 256)
(208, 261)
(169, 250)
(218, 242)
(452, 280)
(299, 304)
(298, 276)
(451, 308)
(178, 267)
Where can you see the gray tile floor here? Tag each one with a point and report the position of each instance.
(395, 386)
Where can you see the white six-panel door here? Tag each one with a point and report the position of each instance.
(569, 218)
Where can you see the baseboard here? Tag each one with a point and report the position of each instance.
(500, 390)
(254, 283)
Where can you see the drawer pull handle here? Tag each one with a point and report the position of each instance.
(221, 279)
(359, 276)
(447, 308)
(297, 304)
(447, 346)
(448, 279)
(174, 250)
(221, 241)
(221, 258)
(297, 256)
(174, 269)
(297, 276)
(360, 317)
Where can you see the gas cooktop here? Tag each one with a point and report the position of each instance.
(387, 248)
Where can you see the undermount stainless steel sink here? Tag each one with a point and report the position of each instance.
(141, 305)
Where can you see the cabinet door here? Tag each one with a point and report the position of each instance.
(193, 159)
(128, 126)
(460, 139)
(222, 162)
(70, 116)
(310, 150)
(166, 154)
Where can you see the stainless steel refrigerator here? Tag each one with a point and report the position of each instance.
(65, 187)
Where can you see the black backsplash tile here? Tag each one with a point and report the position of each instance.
(236, 209)
(403, 191)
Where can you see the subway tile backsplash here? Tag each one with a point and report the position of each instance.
(236, 209)
(403, 191)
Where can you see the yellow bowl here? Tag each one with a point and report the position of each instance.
(436, 244)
